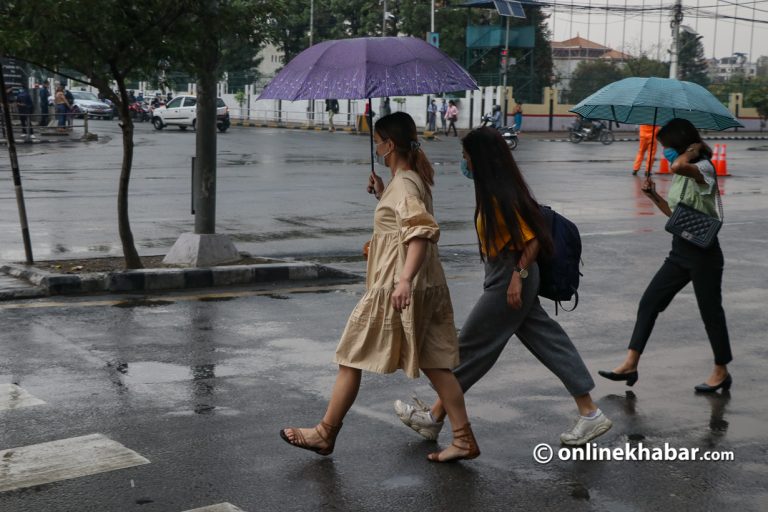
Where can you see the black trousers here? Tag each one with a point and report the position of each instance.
(687, 263)
(451, 125)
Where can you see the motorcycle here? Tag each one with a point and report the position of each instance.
(509, 133)
(140, 111)
(593, 131)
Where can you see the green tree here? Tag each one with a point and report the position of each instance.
(213, 36)
(758, 98)
(333, 19)
(115, 41)
(692, 62)
(644, 66)
(591, 75)
(450, 23)
(104, 40)
(543, 70)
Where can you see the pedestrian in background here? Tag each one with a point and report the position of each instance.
(70, 106)
(386, 109)
(62, 108)
(405, 318)
(25, 107)
(452, 115)
(44, 94)
(647, 135)
(431, 115)
(694, 180)
(511, 231)
(518, 117)
(443, 110)
(332, 107)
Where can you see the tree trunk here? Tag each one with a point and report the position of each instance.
(205, 151)
(132, 259)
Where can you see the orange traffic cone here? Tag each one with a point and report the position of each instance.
(664, 166)
(721, 166)
(716, 156)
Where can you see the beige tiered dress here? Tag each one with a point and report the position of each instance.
(378, 338)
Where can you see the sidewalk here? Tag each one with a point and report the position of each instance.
(12, 288)
(48, 134)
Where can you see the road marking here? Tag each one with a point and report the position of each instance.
(14, 397)
(176, 298)
(44, 463)
(220, 507)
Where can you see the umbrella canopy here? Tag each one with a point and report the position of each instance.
(656, 101)
(368, 67)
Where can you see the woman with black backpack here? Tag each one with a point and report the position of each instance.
(511, 231)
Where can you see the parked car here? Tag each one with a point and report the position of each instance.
(181, 112)
(88, 103)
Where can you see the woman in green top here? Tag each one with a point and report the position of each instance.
(690, 160)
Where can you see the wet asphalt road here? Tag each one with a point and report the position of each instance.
(200, 384)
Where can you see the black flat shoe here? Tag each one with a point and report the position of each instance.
(706, 388)
(630, 377)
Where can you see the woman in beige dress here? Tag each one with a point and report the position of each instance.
(405, 318)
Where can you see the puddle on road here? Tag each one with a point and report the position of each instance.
(151, 372)
(312, 291)
(142, 303)
(216, 299)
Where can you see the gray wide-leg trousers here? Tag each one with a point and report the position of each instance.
(492, 322)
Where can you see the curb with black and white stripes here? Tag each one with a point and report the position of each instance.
(157, 279)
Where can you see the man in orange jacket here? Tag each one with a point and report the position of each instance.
(647, 135)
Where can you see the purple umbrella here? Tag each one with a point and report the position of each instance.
(368, 67)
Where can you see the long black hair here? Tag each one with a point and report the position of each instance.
(400, 128)
(679, 134)
(498, 178)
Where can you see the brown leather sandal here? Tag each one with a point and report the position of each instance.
(299, 441)
(465, 434)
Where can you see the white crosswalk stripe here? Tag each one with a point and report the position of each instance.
(221, 507)
(63, 459)
(14, 397)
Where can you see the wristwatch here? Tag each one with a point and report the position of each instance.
(523, 272)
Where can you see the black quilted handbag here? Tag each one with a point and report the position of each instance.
(694, 226)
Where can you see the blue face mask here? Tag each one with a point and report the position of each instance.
(670, 154)
(465, 170)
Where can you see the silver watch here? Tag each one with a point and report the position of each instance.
(523, 272)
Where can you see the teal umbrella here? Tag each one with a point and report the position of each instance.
(656, 101)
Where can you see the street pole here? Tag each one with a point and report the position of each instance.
(432, 18)
(677, 18)
(506, 69)
(311, 21)
(15, 169)
(506, 55)
(384, 20)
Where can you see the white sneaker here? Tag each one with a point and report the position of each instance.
(418, 418)
(586, 429)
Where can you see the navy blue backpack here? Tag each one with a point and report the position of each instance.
(560, 272)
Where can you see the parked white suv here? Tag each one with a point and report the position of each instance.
(181, 112)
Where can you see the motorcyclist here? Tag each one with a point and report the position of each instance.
(496, 117)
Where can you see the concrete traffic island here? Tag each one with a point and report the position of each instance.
(48, 279)
(195, 250)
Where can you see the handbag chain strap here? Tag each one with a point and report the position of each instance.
(717, 191)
